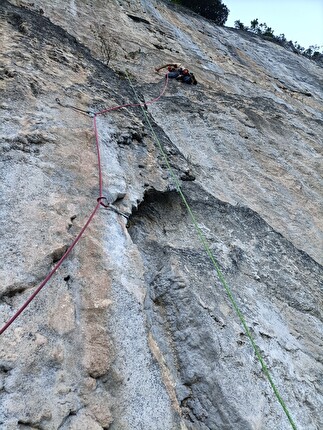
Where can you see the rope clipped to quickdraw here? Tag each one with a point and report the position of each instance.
(86, 112)
(110, 206)
(101, 201)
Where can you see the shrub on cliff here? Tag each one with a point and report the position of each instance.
(211, 9)
(314, 52)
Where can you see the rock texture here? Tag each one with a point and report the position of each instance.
(135, 331)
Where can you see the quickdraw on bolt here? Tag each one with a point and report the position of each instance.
(87, 112)
(110, 206)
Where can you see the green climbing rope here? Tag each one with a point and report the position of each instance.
(215, 264)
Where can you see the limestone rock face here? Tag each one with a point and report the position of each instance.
(135, 331)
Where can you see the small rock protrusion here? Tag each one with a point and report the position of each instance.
(58, 253)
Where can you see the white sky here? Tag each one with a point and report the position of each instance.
(300, 20)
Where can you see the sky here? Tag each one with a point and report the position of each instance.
(300, 20)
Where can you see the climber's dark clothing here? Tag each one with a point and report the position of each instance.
(179, 73)
(174, 74)
(187, 78)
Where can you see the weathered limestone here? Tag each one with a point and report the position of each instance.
(135, 331)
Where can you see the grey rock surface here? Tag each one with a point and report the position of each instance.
(135, 331)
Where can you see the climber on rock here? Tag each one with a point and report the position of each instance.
(174, 70)
(186, 77)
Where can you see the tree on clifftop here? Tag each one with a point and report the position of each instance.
(211, 9)
(314, 52)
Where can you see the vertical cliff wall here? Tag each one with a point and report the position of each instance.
(135, 331)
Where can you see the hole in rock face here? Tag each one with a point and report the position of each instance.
(154, 206)
(154, 196)
(15, 292)
(5, 369)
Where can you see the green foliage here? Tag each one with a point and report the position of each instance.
(266, 32)
(261, 29)
(211, 9)
(254, 24)
(238, 24)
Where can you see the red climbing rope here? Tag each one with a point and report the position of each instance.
(51, 273)
(99, 202)
(137, 104)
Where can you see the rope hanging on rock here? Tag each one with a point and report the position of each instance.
(101, 200)
(217, 268)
